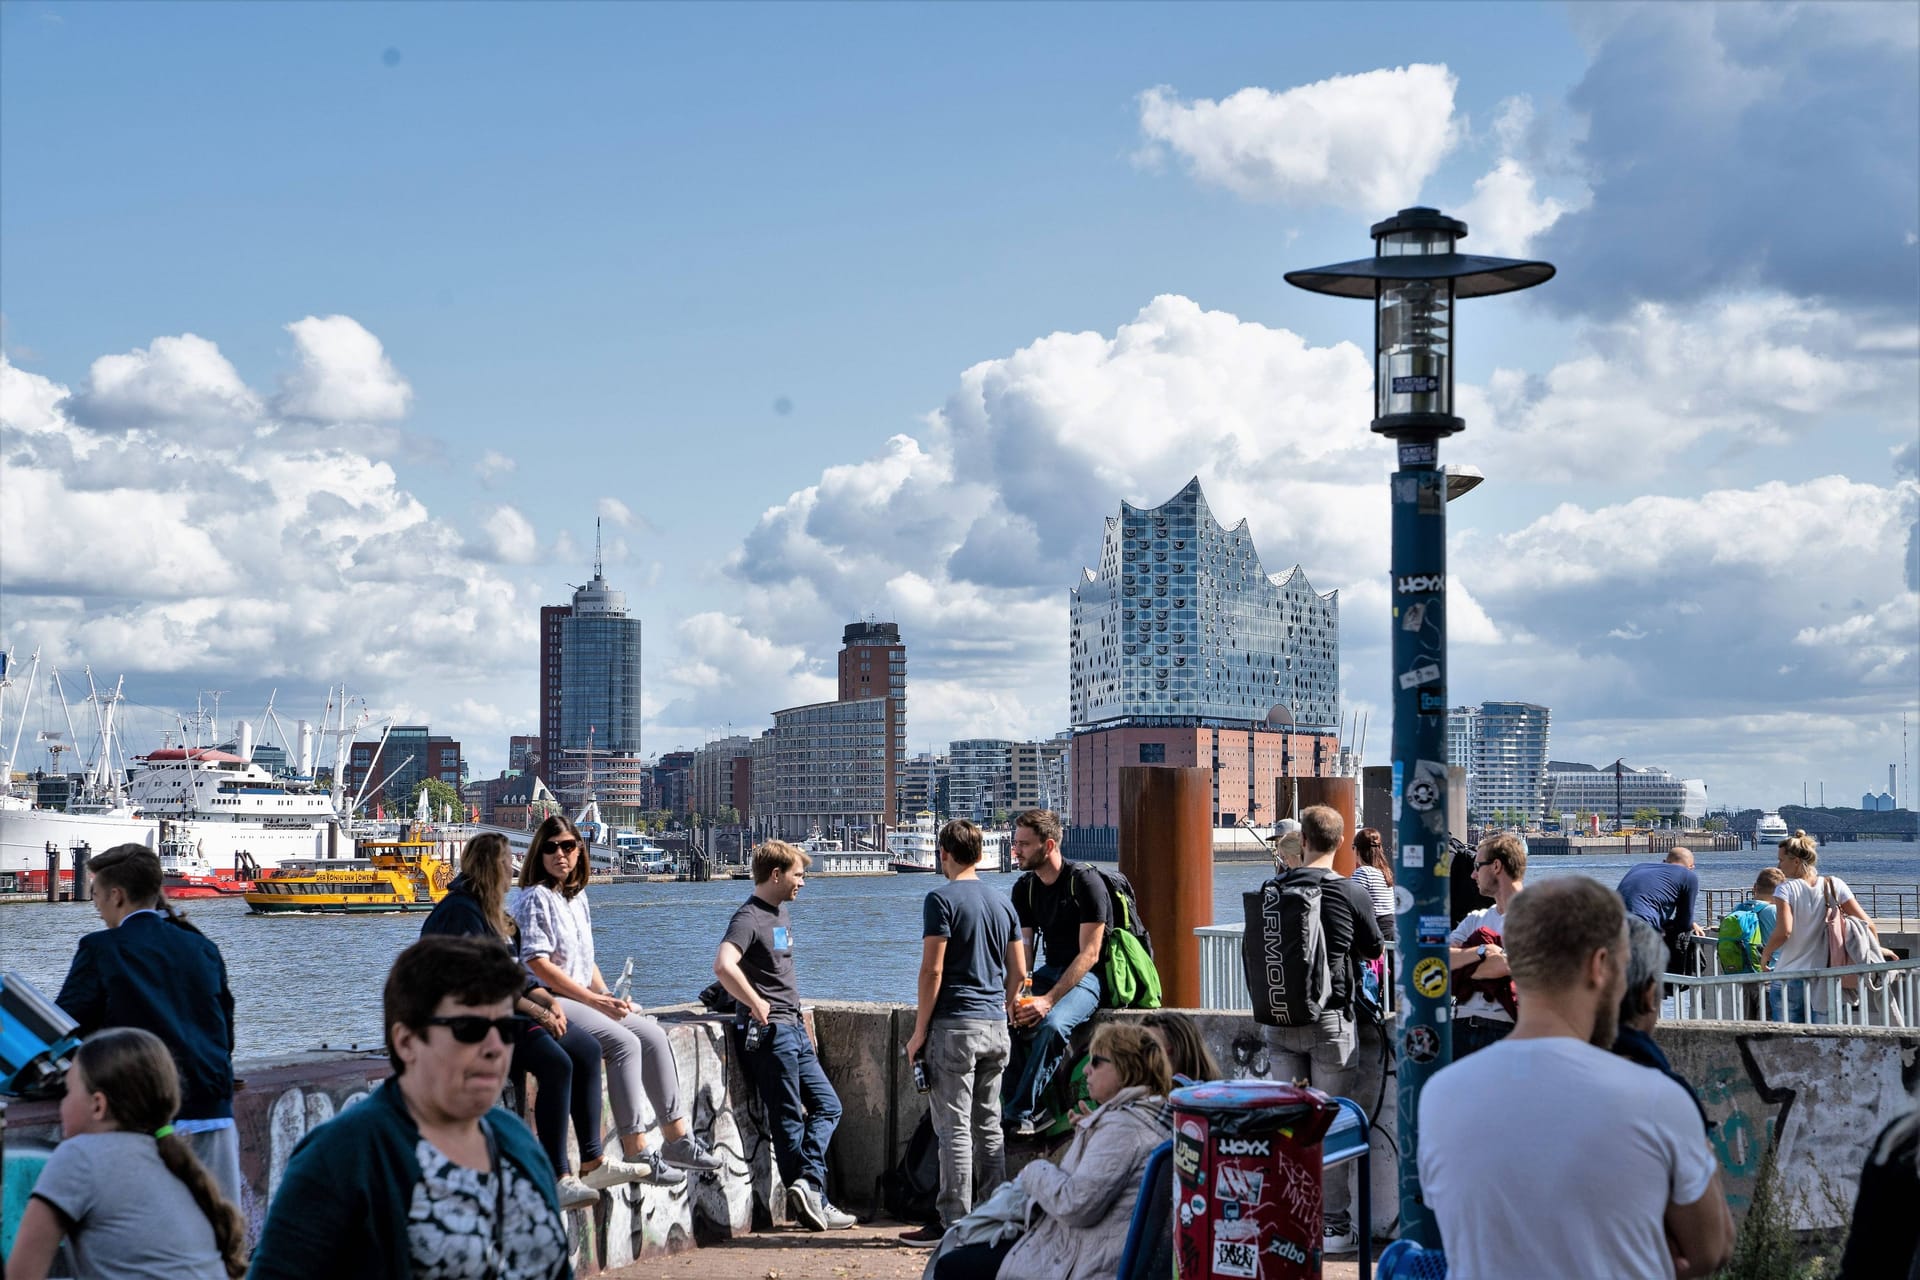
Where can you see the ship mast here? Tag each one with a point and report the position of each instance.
(20, 722)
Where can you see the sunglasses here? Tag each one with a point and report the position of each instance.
(562, 846)
(1489, 862)
(471, 1028)
(1099, 1060)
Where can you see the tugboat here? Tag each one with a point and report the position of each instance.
(408, 874)
(185, 873)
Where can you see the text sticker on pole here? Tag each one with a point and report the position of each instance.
(1413, 855)
(1433, 702)
(1416, 455)
(1434, 930)
(1420, 584)
(1430, 977)
(1420, 675)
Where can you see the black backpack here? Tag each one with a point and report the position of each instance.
(1289, 974)
(910, 1191)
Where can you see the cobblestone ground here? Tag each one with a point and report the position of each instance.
(864, 1253)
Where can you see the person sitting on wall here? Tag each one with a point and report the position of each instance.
(1483, 1014)
(428, 1175)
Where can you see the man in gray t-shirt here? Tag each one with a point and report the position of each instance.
(972, 961)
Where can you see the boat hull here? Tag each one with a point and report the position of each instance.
(25, 834)
(910, 868)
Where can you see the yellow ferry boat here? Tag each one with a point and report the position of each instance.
(408, 874)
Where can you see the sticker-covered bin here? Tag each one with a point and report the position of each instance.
(1246, 1160)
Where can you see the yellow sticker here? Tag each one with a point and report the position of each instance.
(1430, 977)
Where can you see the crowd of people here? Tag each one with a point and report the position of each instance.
(1561, 1141)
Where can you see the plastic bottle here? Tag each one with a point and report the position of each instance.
(1026, 991)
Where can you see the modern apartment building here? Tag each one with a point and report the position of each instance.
(393, 769)
(590, 699)
(1603, 789)
(828, 771)
(923, 787)
(979, 778)
(1037, 776)
(713, 783)
(1181, 646)
(1506, 761)
(873, 664)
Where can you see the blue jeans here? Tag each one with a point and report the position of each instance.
(1043, 1048)
(802, 1107)
(568, 1072)
(1800, 1004)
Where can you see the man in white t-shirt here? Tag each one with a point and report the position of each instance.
(1482, 983)
(1546, 1155)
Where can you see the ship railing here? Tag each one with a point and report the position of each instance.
(1882, 995)
(1880, 901)
(1223, 973)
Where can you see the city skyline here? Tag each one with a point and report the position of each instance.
(874, 334)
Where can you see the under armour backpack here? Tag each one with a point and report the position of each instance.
(1741, 939)
(1289, 974)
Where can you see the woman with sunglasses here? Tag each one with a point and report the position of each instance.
(556, 945)
(427, 1175)
(1083, 1204)
(562, 1058)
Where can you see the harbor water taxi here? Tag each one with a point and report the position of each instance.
(411, 873)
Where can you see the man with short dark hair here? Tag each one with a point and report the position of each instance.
(1662, 894)
(755, 965)
(1483, 1001)
(1547, 1155)
(972, 963)
(1063, 906)
(1325, 1054)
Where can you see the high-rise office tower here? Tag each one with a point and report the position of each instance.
(873, 664)
(1507, 776)
(590, 697)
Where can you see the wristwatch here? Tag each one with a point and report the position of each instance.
(1483, 951)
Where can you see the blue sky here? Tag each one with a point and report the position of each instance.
(694, 267)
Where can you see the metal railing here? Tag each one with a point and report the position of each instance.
(1887, 995)
(1880, 901)
(1223, 974)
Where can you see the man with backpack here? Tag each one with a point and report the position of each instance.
(1310, 928)
(972, 964)
(1064, 905)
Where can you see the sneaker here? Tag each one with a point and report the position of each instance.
(931, 1233)
(613, 1173)
(575, 1194)
(837, 1219)
(660, 1171)
(690, 1153)
(1337, 1236)
(807, 1206)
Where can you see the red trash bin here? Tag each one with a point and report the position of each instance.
(1246, 1160)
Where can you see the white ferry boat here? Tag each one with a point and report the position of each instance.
(916, 846)
(1771, 831)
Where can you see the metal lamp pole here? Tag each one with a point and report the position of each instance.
(1414, 279)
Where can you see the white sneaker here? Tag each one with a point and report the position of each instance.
(837, 1219)
(1337, 1237)
(611, 1172)
(807, 1206)
(575, 1194)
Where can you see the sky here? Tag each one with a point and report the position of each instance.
(328, 331)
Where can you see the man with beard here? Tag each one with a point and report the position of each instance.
(1546, 1155)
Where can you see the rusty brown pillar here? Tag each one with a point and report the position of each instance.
(1166, 850)
(1341, 794)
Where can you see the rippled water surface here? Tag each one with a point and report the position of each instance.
(300, 981)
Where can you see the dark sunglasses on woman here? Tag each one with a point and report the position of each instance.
(471, 1028)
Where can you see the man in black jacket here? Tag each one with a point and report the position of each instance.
(151, 969)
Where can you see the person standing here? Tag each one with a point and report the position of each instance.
(1662, 894)
(755, 965)
(1627, 1184)
(972, 963)
(1325, 1054)
(1483, 1009)
(151, 969)
(1063, 906)
(1799, 942)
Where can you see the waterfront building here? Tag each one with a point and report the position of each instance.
(923, 785)
(523, 753)
(590, 699)
(1623, 789)
(714, 782)
(873, 664)
(1462, 724)
(1037, 776)
(1180, 646)
(980, 778)
(1883, 802)
(1506, 762)
(394, 768)
(671, 777)
(828, 771)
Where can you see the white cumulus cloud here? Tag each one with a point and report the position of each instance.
(342, 375)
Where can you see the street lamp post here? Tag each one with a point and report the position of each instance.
(1414, 279)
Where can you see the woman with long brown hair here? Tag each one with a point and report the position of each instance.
(1373, 871)
(556, 945)
(117, 1124)
(563, 1059)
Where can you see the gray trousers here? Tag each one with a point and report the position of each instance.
(1327, 1057)
(965, 1061)
(639, 1063)
(219, 1150)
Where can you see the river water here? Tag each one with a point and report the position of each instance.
(303, 981)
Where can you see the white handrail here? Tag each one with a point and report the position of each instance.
(1888, 995)
(1223, 974)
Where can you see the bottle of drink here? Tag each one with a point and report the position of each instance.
(623, 986)
(921, 1083)
(1026, 991)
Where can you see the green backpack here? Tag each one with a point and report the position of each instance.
(1741, 939)
(1126, 956)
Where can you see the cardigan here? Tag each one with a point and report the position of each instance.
(341, 1207)
(168, 979)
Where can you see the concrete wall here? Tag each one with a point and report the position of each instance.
(1819, 1094)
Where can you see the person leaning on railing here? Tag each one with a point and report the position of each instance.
(1799, 941)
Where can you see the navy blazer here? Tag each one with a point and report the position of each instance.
(169, 980)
